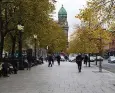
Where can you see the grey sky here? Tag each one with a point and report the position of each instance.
(72, 7)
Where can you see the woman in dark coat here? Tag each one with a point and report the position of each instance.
(58, 59)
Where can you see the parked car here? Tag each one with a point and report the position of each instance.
(92, 58)
(99, 58)
(72, 59)
(111, 59)
(62, 58)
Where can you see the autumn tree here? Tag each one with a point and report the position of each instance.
(34, 15)
(7, 22)
(36, 18)
(104, 9)
(90, 32)
(81, 42)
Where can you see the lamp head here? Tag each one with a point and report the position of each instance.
(35, 36)
(20, 27)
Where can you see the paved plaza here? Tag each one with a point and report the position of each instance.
(59, 79)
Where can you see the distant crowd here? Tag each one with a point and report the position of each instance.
(12, 67)
(79, 59)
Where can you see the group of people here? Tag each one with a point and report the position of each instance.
(79, 60)
(50, 60)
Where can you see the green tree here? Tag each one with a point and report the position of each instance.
(34, 15)
(57, 39)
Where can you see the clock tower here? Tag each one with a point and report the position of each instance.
(62, 20)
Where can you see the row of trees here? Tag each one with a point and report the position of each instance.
(91, 36)
(35, 16)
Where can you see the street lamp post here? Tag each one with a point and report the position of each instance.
(35, 39)
(100, 53)
(47, 49)
(21, 29)
(100, 49)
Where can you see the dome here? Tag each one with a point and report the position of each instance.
(62, 12)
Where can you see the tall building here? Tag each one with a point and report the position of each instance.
(62, 20)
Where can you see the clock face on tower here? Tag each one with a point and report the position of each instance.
(66, 24)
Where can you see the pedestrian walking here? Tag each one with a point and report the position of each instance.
(29, 62)
(50, 60)
(58, 59)
(86, 58)
(79, 59)
(66, 57)
(53, 58)
(5, 68)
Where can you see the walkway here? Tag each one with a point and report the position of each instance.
(59, 79)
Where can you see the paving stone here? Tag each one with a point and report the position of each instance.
(59, 79)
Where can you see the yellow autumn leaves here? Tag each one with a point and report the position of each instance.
(86, 40)
(87, 36)
(57, 39)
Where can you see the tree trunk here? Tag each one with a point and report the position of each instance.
(89, 60)
(96, 59)
(1, 46)
(1, 33)
(13, 46)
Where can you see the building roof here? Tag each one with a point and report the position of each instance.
(62, 12)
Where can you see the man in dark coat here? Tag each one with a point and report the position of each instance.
(86, 59)
(50, 60)
(5, 67)
(58, 59)
(66, 57)
(79, 59)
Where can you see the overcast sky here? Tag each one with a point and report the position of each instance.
(72, 7)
